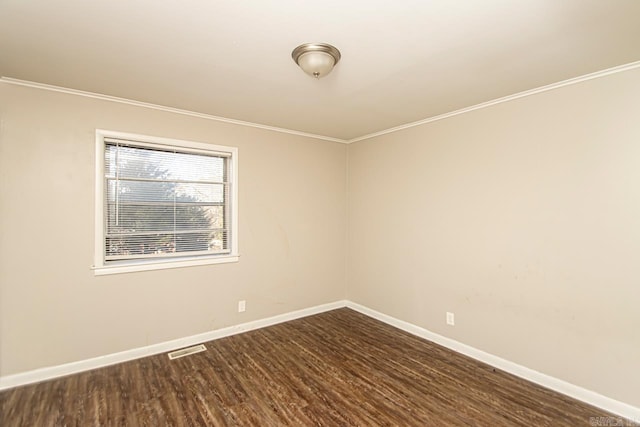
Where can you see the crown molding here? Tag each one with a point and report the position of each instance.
(119, 100)
(568, 82)
(508, 98)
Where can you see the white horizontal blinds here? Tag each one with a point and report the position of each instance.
(164, 202)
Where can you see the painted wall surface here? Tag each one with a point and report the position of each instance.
(53, 310)
(523, 219)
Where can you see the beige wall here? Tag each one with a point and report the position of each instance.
(54, 310)
(523, 219)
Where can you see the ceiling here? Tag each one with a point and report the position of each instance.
(402, 61)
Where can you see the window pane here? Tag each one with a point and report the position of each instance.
(202, 193)
(130, 162)
(163, 203)
(140, 191)
(192, 167)
(161, 243)
(143, 218)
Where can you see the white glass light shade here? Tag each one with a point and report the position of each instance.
(316, 64)
(316, 59)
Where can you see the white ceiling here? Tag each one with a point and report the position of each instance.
(402, 60)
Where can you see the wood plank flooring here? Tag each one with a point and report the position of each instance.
(339, 368)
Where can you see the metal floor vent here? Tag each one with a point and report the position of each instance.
(187, 351)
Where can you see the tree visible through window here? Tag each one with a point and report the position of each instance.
(164, 201)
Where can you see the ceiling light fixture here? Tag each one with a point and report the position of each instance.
(316, 59)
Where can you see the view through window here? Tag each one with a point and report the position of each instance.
(162, 201)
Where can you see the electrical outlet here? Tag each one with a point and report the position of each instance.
(242, 306)
(451, 319)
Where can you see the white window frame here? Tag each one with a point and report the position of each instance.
(102, 267)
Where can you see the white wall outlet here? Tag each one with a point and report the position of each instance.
(242, 306)
(451, 319)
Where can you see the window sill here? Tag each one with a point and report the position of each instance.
(146, 265)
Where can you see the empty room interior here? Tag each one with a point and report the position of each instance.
(320, 213)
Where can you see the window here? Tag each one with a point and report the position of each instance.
(163, 203)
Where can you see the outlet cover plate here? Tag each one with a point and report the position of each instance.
(451, 319)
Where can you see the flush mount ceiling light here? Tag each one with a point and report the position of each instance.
(316, 59)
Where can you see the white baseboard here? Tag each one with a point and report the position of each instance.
(614, 406)
(42, 374)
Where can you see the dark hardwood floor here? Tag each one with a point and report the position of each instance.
(339, 368)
